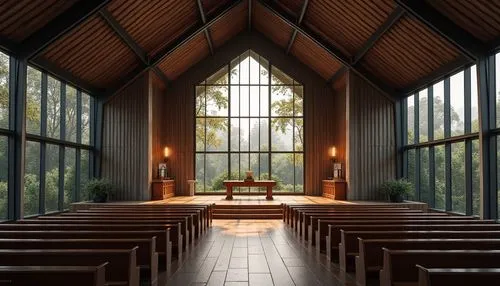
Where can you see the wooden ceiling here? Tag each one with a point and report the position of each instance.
(102, 45)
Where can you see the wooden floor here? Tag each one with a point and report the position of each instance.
(255, 252)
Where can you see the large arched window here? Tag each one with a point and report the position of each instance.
(249, 119)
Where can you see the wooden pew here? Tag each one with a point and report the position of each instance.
(207, 208)
(179, 233)
(289, 209)
(163, 247)
(296, 217)
(199, 220)
(54, 275)
(147, 257)
(312, 226)
(370, 257)
(334, 239)
(322, 231)
(348, 246)
(457, 276)
(188, 228)
(194, 218)
(304, 217)
(120, 270)
(400, 265)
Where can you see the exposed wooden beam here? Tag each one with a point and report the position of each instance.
(193, 32)
(131, 43)
(467, 43)
(436, 76)
(206, 31)
(299, 21)
(51, 68)
(124, 35)
(389, 22)
(62, 24)
(332, 50)
(337, 75)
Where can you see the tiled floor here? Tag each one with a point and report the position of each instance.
(254, 252)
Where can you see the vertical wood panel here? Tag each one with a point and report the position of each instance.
(125, 142)
(371, 149)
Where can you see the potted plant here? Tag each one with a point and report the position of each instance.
(396, 190)
(99, 190)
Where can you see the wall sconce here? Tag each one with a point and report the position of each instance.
(333, 153)
(337, 167)
(166, 153)
(162, 167)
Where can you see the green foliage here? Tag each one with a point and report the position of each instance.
(99, 187)
(400, 187)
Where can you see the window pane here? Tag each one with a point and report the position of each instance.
(33, 100)
(264, 71)
(282, 100)
(282, 134)
(458, 177)
(216, 134)
(235, 71)
(282, 168)
(299, 134)
(254, 68)
(423, 116)
(254, 134)
(84, 173)
(4, 177)
(424, 175)
(85, 119)
(299, 173)
(69, 177)
(264, 101)
(217, 100)
(216, 171)
(32, 178)
(220, 77)
(438, 110)
(200, 134)
(53, 108)
(439, 165)
(410, 111)
(244, 101)
(457, 104)
(299, 100)
(254, 101)
(235, 100)
(475, 178)
(71, 105)
(51, 178)
(411, 168)
(4, 90)
(200, 172)
(497, 85)
(474, 100)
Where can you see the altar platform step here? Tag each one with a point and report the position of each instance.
(247, 212)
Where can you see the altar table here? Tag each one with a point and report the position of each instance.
(269, 184)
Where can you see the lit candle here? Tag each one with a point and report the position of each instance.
(334, 152)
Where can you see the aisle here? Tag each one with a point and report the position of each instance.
(254, 252)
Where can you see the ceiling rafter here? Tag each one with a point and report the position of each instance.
(299, 21)
(206, 31)
(186, 37)
(392, 19)
(337, 75)
(332, 50)
(130, 42)
(58, 27)
(466, 43)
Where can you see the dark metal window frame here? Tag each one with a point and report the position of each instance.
(468, 137)
(269, 118)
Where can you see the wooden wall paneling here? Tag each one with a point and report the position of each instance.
(158, 91)
(125, 142)
(371, 149)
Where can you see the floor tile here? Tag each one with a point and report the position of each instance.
(237, 275)
(260, 279)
